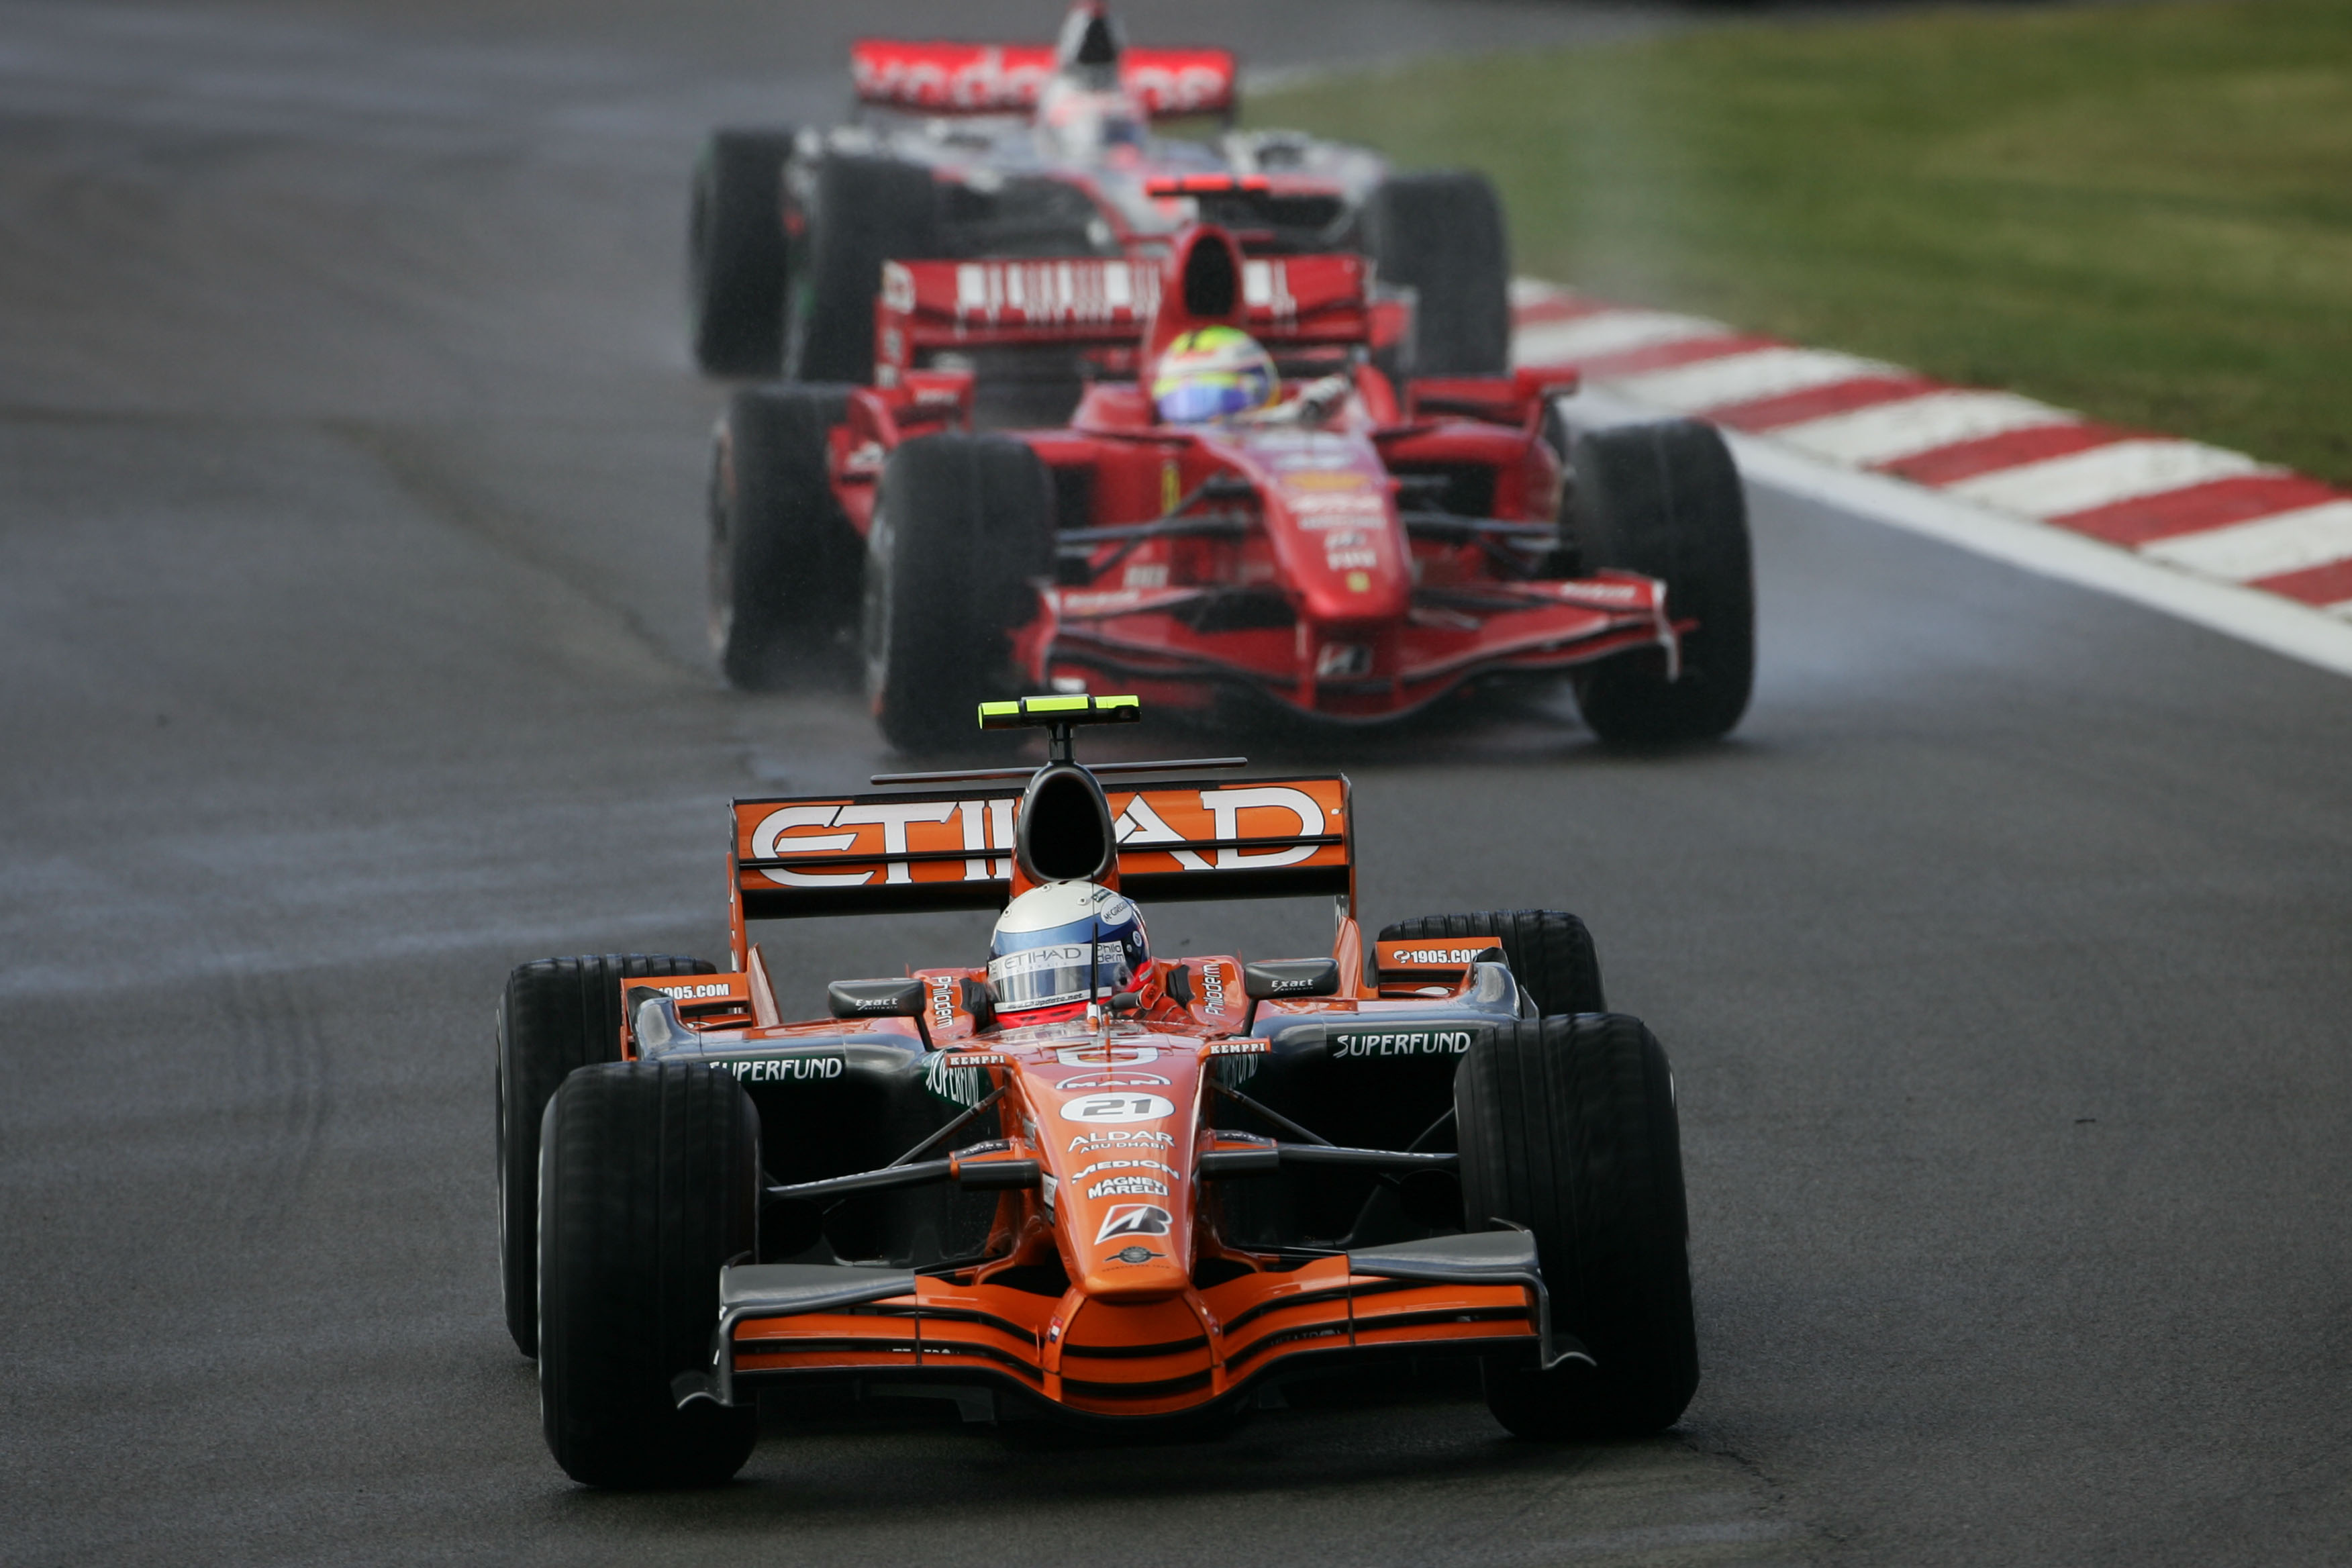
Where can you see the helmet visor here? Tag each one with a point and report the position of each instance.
(1203, 395)
(1057, 972)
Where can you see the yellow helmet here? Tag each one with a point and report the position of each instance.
(1212, 372)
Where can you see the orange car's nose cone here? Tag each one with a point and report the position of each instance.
(1117, 1119)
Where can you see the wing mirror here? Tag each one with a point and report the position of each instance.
(1278, 979)
(875, 998)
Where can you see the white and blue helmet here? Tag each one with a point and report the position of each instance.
(1062, 946)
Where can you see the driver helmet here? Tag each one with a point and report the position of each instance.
(1212, 372)
(1060, 946)
(1087, 124)
(1086, 112)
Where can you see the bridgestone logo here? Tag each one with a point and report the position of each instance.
(1134, 1219)
(1415, 1043)
(782, 1069)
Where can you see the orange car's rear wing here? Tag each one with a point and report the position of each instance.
(928, 307)
(921, 851)
(1007, 78)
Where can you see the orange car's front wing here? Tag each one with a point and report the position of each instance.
(1090, 1357)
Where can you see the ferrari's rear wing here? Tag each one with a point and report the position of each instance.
(929, 308)
(1006, 78)
(920, 850)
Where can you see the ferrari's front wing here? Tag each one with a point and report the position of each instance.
(1167, 639)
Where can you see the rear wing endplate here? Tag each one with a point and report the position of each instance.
(924, 850)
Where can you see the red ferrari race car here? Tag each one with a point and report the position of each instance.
(970, 152)
(1244, 503)
(1082, 1180)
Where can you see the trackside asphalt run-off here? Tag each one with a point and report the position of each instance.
(2210, 535)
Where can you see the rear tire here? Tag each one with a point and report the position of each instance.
(854, 215)
(963, 525)
(558, 1014)
(649, 1185)
(1549, 953)
(1567, 1129)
(735, 252)
(784, 561)
(1664, 500)
(1442, 234)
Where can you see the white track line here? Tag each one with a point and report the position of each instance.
(1743, 378)
(1526, 292)
(2319, 638)
(2265, 547)
(1888, 431)
(2298, 631)
(2103, 475)
(1609, 332)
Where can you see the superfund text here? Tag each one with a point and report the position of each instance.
(1404, 1043)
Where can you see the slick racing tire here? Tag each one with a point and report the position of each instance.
(558, 1014)
(1567, 1129)
(649, 1185)
(735, 252)
(855, 214)
(1664, 499)
(784, 560)
(1549, 953)
(1442, 235)
(963, 530)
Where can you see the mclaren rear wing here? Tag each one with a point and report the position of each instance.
(1006, 78)
(923, 850)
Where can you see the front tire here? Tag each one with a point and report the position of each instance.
(557, 1016)
(854, 215)
(649, 1185)
(1567, 1129)
(735, 252)
(1549, 953)
(1664, 498)
(784, 560)
(1440, 233)
(962, 528)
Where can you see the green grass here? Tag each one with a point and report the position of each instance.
(2143, 212)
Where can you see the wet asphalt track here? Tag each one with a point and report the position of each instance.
(350, 651)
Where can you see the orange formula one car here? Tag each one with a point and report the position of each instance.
(1082, 1180)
